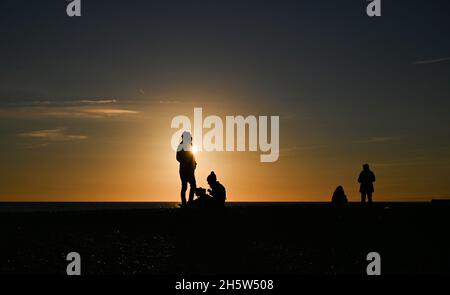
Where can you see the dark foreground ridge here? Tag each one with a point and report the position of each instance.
(260, 239)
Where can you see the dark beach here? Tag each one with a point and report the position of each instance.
(292, 238)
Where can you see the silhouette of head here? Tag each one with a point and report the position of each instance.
(186, 142)
(212, 178)
(186, 137)
(340, 189)
(366, 167)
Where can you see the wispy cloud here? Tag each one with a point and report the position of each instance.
(64, 112)
(52, 135)
(80, 108)
(55, 103)
(431, 61)
(110, 112)
(33, 145)
(92, 101)
(379, 139)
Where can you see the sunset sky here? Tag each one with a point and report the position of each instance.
(86, 103)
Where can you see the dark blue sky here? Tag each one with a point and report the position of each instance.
(329, 48)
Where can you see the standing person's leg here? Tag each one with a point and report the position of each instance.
(193, 186)
(369, 196)
(183, 192)
(363, 197)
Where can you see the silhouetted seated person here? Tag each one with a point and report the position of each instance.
(366, 179)
(216, 197)
(339, 198)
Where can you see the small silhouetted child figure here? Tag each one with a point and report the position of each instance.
(339, 198)
(366, 179)
(217, 190)
(186, 158)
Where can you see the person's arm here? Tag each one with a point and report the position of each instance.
(224, 193)
(213, 192)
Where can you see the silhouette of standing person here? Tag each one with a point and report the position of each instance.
(366, 179)
(187, 167)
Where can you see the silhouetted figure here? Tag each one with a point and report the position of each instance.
(366, 179)
(217, 194)
(217, 190)
(187, 167)
(339, 198)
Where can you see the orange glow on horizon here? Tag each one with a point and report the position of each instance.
(130, 158)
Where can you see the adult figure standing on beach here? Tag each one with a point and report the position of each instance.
(366, 179)
(185, 157)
